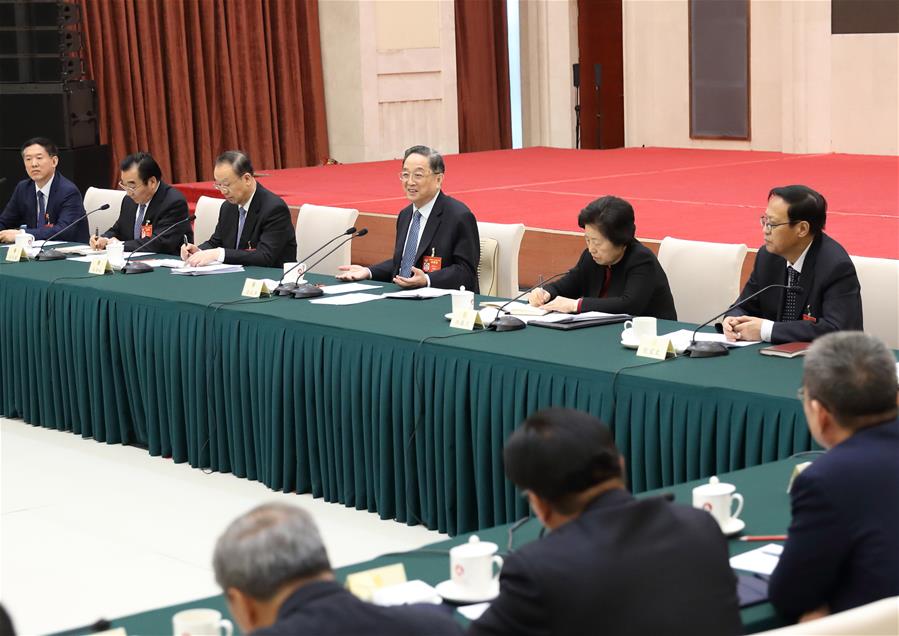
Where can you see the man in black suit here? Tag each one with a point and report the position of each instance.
(151, 207)
(275, 574)
(437, 242)
(842, 549)
(254, 226)
(46, 202)
(611, 564)
(797, 253)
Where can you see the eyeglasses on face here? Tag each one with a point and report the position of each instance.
(414, 177)
(768, 225)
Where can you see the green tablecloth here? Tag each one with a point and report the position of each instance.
(349, 404)
(766, 511)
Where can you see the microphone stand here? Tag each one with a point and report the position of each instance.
(286, 289)
(510, 322)
(138, 267)
(56, 255)
(311, 291)
(714, 349)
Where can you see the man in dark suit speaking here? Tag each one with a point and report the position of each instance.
(797, 252)
(437, 242)
(842, 549)
(254, 226)
(611, 564)
(150, 208)
(45, 202)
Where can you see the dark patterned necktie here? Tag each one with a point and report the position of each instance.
(791, 300)
(41, 210)
(411, 247)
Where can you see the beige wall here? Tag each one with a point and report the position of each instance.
(548, 49)
(390, 76)
(810, 91)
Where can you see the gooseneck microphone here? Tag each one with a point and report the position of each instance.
(56, 255)
(510, 322)
(713, 349)
(286, 289)
(311, 291)
(138, 267)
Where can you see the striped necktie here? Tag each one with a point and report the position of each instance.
(411, 247)
(240, 222)
(139, 219)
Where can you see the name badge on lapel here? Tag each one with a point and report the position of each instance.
(146, 230)
(431, 263)
(807, 315)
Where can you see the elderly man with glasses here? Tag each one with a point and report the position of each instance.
(825, 294)
(437, 242)
(151, 207)
(254, 225)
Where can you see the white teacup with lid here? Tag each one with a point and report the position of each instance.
(717, 498)
(471, 566)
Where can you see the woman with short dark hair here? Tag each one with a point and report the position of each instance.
(616, 274)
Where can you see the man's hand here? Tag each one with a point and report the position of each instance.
(187, 250)
(8, 236)
(353, 272)
(199, 257)
(100, 242)
(748, 328)
(418, 279)
(538, 297)
(562, 304)
(814, 614)
(729, 323)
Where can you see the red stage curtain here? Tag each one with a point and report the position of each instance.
(482, 75)
(188, 79)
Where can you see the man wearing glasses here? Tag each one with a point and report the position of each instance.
(799, 254)
(254, 226)
(45, 202)
(150, 208)
(437, 242)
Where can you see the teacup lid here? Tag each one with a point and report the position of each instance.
(475, 547)
(715, 487)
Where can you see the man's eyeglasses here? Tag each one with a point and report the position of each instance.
(768, 225)
(222, 187)
(130, 187)
(414, 177)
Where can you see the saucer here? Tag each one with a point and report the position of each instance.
(733, 527)
(454, 594)
(629, 340)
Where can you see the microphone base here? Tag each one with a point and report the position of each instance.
(507, 323)
(284, 289)
(137, 267)
(50, 255)
(307, 291)
(706, 350)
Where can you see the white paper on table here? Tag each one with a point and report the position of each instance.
(473, 612)
(684, 336)
(422, 292)
(347, 299)
(515, 308)
(47, 243)
(161, 262)
(82, 259)
(761, 560)
(587, 315)
(344, 288)
(137, 254)
(216, 268)
(488, 315)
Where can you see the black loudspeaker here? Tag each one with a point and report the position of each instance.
(66, 112)
(38, 13)
(576, 75)
(85, 167)
(39, 41)
(41, 68)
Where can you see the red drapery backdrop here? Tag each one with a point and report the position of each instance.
(187, 79)
(482, 75)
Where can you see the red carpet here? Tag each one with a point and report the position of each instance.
(710, 195)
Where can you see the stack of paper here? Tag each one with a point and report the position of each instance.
(346, 299)
(761, 560)
(516, 308)
(219, 268)
(587, 315)
(684, 336)
(422, 293)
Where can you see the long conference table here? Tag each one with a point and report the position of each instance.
(767, 512)
(380, 406)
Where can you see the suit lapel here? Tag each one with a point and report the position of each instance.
(402, 228)
(249, 225)
(431, 227)
(807, 275)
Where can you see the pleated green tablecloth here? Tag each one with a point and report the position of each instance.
(351, 403)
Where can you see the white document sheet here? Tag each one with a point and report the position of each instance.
(346, 299)
(47, 243)
(587, 315)
(345, 288)
(685, 335)
(473, 612)
(516, 308)
(422, 292)
(219, 268)
(162, 262)
(761, 560)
